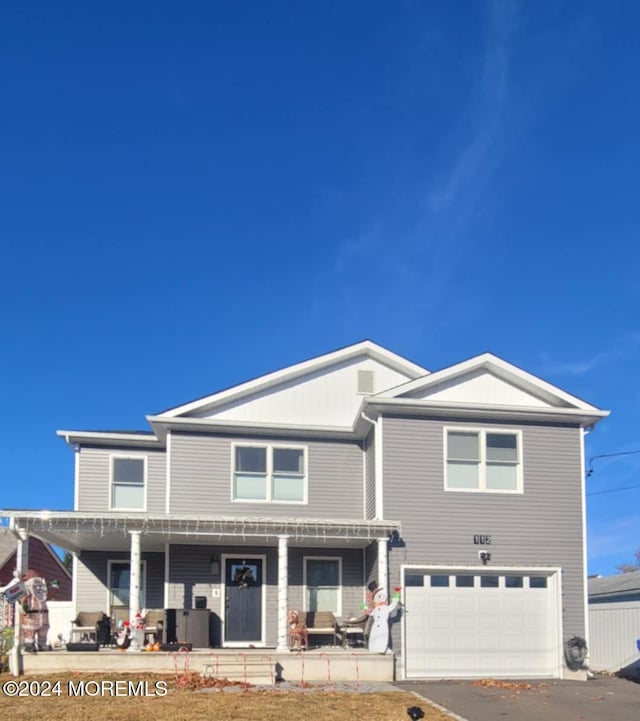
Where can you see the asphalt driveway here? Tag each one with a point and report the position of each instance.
(599, 699)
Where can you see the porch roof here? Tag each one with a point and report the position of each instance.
(78, 531)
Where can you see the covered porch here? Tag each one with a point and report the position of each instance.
(244, 574)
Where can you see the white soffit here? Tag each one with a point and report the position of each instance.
(488, 380)
(322, 391)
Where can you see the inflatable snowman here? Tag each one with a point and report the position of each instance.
(380, 612)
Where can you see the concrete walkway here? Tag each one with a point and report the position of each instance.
(599, 699)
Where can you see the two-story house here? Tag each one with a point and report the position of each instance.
(464, 487)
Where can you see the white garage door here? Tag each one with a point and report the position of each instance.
(477, 623)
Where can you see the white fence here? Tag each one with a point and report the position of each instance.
(614, 632)
(60, 616)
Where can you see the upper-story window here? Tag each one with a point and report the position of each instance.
(270, 473)
(483, 460)
(128, 480)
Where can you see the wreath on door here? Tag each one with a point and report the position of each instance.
(243, 577)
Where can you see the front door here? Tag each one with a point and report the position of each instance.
(243, 601)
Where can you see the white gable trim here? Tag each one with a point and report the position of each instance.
(410, 406)
(501, 368)
(367, 347)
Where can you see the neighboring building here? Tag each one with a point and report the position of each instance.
(614, 589)
(614, 619)
(465, 487)
(43, 560)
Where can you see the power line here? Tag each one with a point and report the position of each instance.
(612, 490)
(608, 455)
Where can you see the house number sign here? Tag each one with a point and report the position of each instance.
(482, 540)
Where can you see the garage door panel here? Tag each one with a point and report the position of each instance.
(458, 632)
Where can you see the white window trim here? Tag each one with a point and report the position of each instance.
(143, 576)
(482, 432)
(129, 456)
(337, 613)
(270, 447)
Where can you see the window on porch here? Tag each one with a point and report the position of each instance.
(323, 584)
(119, 582)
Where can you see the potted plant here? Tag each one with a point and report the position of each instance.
(6, 642)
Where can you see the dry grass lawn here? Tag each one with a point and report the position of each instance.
(194, 704)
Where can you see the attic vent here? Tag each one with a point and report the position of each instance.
(365, 382)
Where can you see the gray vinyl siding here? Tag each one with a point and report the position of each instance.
(540, 527)
(201, 478)
(92, 581)
(190, 576)
(95, 482)
(370, 476)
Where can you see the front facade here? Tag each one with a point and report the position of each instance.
(463, 487)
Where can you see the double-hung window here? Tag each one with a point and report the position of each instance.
(323, 583)
(483, 460)
(128, 483)
(270, 473)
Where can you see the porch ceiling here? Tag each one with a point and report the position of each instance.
(110, 531)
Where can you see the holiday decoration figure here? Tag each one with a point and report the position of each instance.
(123, 637)
(35, 619)
(380, 612)
(130, 636)
(298, 632)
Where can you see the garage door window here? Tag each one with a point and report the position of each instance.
(464, 581)
(489, 581)
(414, 579)
(439, 581)
(538, 582)
(513, 582)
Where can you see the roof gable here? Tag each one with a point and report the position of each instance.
(324, 391)
(487, 380)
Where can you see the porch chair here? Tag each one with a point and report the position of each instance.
(86, 625)
(354, 630)
(154, 624)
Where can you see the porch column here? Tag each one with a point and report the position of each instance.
(22, 563)
(283, 592)
(134, 577)
(383, 566)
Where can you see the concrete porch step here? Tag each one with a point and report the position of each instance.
(256, 666)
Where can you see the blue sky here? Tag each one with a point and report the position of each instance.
(194, 194)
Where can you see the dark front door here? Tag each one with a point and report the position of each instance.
(243, 602)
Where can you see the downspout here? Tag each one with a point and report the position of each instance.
(585, 559)
(377, 439)
(75, 447)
